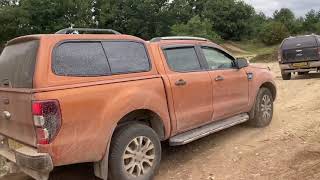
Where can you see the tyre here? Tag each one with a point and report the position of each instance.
(262, 112)
(135, 153)
(285, 76)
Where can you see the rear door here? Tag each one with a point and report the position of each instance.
(17, 65)
(230, 84)
(300, 49)
(191, 87)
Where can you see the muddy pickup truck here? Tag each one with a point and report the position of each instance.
(300, 55)
(110, 99)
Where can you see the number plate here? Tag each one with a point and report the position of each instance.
(300, 65)
(14, 144)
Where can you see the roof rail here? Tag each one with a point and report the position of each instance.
(86, 30)
(157, 39)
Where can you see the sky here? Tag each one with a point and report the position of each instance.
(299, 7)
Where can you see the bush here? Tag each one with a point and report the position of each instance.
(195, 27)
(273, 33)
(3, 167)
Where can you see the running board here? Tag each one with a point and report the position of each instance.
(206, 130)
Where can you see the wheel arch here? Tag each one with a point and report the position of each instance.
(271, 86)
(145, 116)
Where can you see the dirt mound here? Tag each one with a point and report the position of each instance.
(266, 57)
(233, 48)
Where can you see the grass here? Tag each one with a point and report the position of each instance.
(253, 50)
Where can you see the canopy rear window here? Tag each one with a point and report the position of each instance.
(300, 42)
(17, 64)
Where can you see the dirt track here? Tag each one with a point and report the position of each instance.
(288, 149)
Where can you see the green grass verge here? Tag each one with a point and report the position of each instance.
(254, 50)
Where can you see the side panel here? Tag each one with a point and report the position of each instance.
(230, 95)
(192, 102)
(90, 114)
(260, 77)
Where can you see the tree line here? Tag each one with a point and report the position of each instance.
(214, 19)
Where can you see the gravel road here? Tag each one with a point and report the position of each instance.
(288, 149)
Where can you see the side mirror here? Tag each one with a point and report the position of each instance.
(241, 63)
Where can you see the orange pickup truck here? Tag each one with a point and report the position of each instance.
(110, 99)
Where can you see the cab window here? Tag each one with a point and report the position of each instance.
(217, 59)
(183, 59)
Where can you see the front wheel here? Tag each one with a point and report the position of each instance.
(262, 112)
(135, 153)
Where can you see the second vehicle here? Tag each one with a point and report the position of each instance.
(300, 55)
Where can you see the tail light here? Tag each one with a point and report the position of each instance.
(279, 55)
(47, 120)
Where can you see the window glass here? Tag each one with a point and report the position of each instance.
(80, 59)
(217, 59)
(183, 59)
(126, 57)
(17, 64)
(299, 42)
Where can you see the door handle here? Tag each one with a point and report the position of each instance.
(6, 83)
(181, 82)
(219, 78)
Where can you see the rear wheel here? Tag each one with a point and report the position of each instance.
(285, 76)
(135, 153)
(262, 111)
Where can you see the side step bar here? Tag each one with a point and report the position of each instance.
(206, 130)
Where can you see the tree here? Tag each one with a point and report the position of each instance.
(311, 21)
(48, 16)
(195, 27)
(273, 33)
(257, 24)
(230, 18)
(287, 18)
(12, 18)
(143, 18)
(284, 15)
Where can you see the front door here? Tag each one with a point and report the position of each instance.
(230, 84)
(191, 87)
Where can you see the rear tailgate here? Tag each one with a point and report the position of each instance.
(16, 116)
(17, 66)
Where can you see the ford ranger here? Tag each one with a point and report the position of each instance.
(110, 99)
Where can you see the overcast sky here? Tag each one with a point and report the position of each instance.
(299, 7)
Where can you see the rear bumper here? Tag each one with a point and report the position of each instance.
(313, 66)
(34, 164)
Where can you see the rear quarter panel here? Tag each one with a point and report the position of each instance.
(90, 115)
